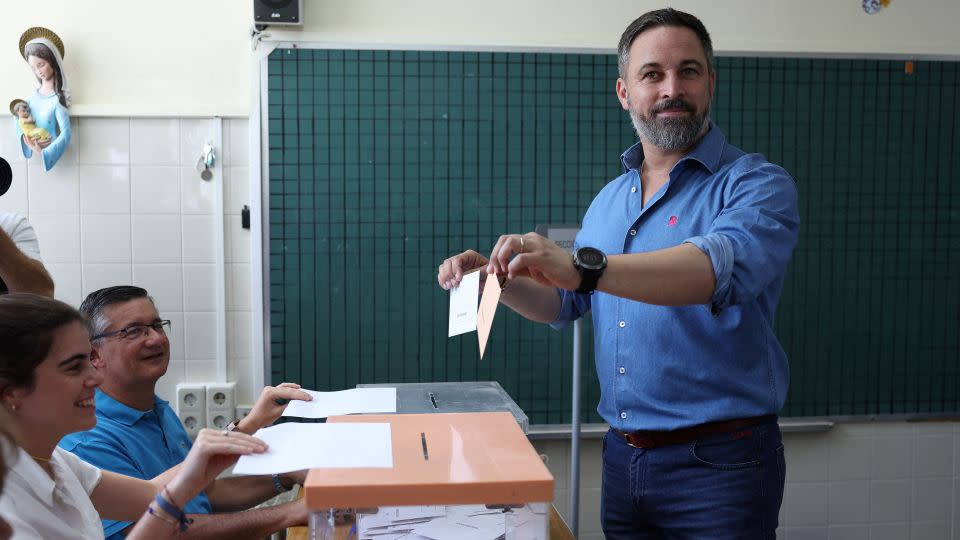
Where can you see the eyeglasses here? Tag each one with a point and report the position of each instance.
(136, 331)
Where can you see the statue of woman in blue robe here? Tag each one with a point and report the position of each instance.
(43, 51)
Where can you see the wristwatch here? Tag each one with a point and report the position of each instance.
(590, 262)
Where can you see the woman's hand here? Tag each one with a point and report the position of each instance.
(43, 143)
(212, 452)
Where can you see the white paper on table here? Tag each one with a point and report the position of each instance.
(357, 400)
(463, 305)
(296, 446)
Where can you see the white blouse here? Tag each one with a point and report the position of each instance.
(38, 507)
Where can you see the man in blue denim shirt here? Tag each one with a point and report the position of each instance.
(681, 261)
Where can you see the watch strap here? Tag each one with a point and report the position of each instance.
(588, 280)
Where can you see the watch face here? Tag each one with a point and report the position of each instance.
(590, 258)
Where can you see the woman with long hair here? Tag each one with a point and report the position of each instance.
(47, 385)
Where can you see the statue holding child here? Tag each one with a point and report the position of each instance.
(48, 134)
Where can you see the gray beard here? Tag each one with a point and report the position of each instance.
(670, 133)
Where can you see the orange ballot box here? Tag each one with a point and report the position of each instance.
(461, 476)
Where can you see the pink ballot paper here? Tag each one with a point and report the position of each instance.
(488, 308)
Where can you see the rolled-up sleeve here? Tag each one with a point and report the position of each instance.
(572, 306)
(751, 241)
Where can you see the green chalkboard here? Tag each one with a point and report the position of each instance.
(383, 163)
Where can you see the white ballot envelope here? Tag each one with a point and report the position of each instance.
(354, 401)
(463, 305)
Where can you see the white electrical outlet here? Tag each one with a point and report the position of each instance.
(191, 407)
(221, 404)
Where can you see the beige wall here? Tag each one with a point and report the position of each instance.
(192, 58)
(172, 58)
(811, 26)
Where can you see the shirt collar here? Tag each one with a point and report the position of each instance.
(708, 151)
(114, 410)
(34, 477)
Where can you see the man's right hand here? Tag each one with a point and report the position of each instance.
(451, 270)
(270, 405)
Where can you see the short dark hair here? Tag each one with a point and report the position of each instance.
(654, 19)
(95, 302)
(27, 324)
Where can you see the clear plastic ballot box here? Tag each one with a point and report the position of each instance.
(458, 476)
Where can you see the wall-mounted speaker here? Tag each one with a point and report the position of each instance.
(277, 12)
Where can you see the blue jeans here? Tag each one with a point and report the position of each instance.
(718, 487)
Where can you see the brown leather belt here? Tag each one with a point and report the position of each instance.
(654, 439)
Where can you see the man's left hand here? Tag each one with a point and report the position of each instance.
(270, 405)
(534, 256)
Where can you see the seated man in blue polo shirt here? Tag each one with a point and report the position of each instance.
(139, 435)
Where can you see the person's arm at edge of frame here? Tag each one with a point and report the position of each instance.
(20, 272)
(238, 493)
(254, 523)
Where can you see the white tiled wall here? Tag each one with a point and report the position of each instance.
(857, 481)
(237, 242)
(125, 204)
